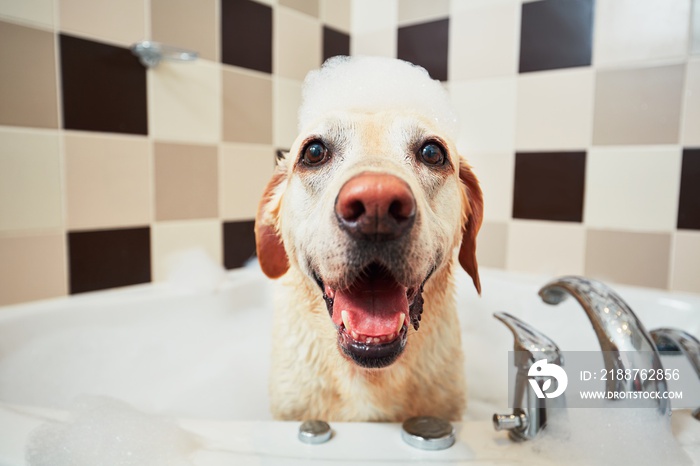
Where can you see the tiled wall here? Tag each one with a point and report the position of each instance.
(581, 118)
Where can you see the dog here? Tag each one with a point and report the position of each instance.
(364, 222)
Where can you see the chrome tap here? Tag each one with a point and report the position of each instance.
(624, 341)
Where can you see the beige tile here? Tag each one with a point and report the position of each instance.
(337, 14)
(287, 102)
(638, 106)
(186, 179)
(632, 188)
(39, 12)
(487, 113)
(691, 105)
(172, 240)
(492, 244)
(186, 102)
(381, 43)
(495, 171)
(28, 89)
(297, 42)
(247, 107)
(108, 181)
(31, 268)
(552, 248)
(30, 180)
(554, 110)
(245, 171)
(420, 11)
(685, 274)
(371, 15)
(192, 24)
(640, 30)
(631, 258)
(309, 7)
(463, 5)
(122, 22)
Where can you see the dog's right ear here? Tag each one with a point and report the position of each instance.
(268, 243)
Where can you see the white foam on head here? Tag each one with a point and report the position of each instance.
(373, 84)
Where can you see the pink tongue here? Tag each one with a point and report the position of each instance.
(373, 306)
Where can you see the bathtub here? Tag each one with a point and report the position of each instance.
(200, 356)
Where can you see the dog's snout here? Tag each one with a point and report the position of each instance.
(375, 207)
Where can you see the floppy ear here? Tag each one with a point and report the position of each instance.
(472, 215)
(268, 242)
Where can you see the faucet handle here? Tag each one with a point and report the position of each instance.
(534, 344)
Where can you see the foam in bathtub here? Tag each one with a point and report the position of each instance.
(109, 432)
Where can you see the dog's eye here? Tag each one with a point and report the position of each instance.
(315, 153)
(432, 154)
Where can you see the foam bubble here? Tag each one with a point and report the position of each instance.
(372, 84)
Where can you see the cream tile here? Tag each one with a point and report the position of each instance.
(287, 101)
(640, 259)
(39, 12)
(495, 171)
(245, 171)
(247, 108)
(122, 22)
(463, 5)
(492, 245)
(337, 14)
(186, 102)
(554, 110)
(30, 180)
(31, 268)
(420, 11)
(632, 188)
(192, 24)
(108, 181)
(638, 106)
(378, 43)
(297, 42)
(309, 7)
(552, 248)
(685, 273)
(484, 42)
(691, 105)
(371, 16)
(637, 30)
(487, 114)
(171, 240)
(695, 28)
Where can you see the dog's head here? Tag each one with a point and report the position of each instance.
(371, 200)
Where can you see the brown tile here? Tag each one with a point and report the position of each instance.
(186, 179)
(689, 202)
(492, 244)
(426, 44)
(239, 243)
(631, 258)
(123, 22)
(686, 262)
(335, 43)
(247, 107)
(309, 7)
(32, 267)
(28, 83)
(638, 106)
(246, 34)
(191, 24)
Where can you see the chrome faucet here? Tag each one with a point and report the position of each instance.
(671, 340)
(624, 341)
(530, 413)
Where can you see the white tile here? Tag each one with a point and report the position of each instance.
(555, 110)
(420, 11)
(378, 43)
(640, 30)
(685, 265)
(287, 99)
(691, 105)
(172, 240)
(632, 188)
(552, 248)
(495, 171)
(297, 42)
(695, 28)
(492, 244)
(39, 12)
(487, 114)
(371, 15)
(244, 172)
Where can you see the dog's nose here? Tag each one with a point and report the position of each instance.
(375, 207)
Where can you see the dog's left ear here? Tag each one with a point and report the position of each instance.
(472, 215)
(268, 243)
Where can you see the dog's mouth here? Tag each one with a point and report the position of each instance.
(373, 314)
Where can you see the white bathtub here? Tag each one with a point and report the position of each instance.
(201, 356)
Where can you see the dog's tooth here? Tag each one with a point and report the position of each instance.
(369, 339)
(345, 315)
(402, 317)
(376, 340)
(355, 335)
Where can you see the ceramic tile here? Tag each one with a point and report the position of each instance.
(335, 43)
(186, 178)
(244, 169)
(632, 188)
(546, 247)
(426, 44)
(685, 274)
(695, 28)
(186, 102)
(122, 22)
(555, 110)
(174, 242)
(639, 30)
(191, 24)
(638, 106)
(246, 34)
(495, 173)
(492, 245)
(420, 11)
(247, 108)
(689, 201)
(632, 258)
(39, 12)
(372, 16)
(309, 7)
(31, 268)
(378, 43)
(30, 180)
(464, 5)
(108, 181)
(298, 45)
(239, 243)
(484, 42)
(691, 105)
(286, 106)
(28, 89)
(337, 14)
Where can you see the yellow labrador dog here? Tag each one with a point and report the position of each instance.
(364, 220)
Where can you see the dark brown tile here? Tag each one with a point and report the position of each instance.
(426, 45)
(549, 186)
(246, 34)
(335, 43)
(104, 87)
(689, 202)
(556, 34)
(109, 258)
(239, 243)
